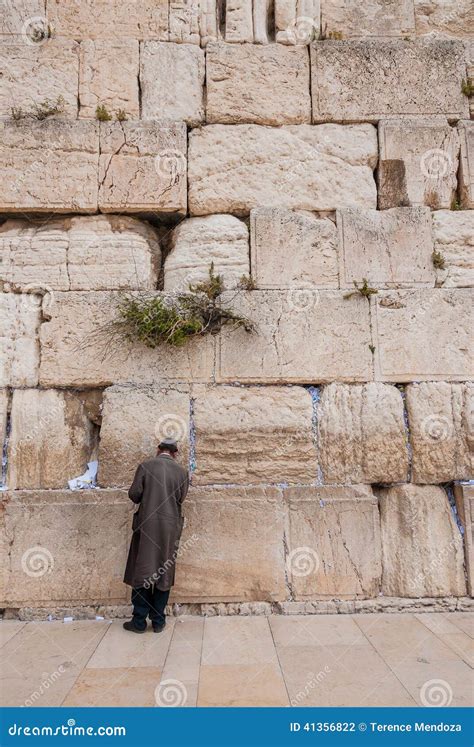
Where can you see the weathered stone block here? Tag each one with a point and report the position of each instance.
(362, 436)
(38, 74)
(109, 76)
(392, 248)
(172, 81)
(239, 21)
(333, 543)
(19, 349)
(232, 546)
(134, 421)
(464, 496)
(292, 249)
(375, 18)
(64, 546)
(101, 19)
(373, 78)
(19, 16)
(3, 414)
(233, 168)
(441, 418)
(301, 336)
(423, 174)
(466, 171)
(447, 17)
(266, 84)
(253, 434)
(422, 553)
(297, 21)
(453, 234)
(82, 253)
(51, 440)
(48, 166)
(422, 334)
(193, 21)
(142, 167)
(76, 349)
(196, 243)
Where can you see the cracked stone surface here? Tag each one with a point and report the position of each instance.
(19, 348)
(102, 19)
(466, 171)
(448, 17)
(375, 18)
(3, 414)
(453, 234)
(109, 77)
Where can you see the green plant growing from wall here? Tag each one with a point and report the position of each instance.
(48, 108)
(121, 115)
(102, 114)
(247, 283)
(467, 87)
(438, 260)
(17, 113)
(455, 204)
(364, 289)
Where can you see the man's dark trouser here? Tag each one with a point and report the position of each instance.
(149, 602)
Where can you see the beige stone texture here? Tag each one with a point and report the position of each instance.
(109, 77)
(453, 235)
(101, 19)
(441, 419)
(231, 548)
(3, 414)
(193, 21)
(333, 542)
(373, 78)
(52, 439)
(196, 243)
(447, 17)
(76, 349)
(172, 81)
(422, 335)
(470, 70)
(464, 497)
(418, 163)
(134, 421)
(375, 18)
(64, 545)
(239, 21)
(422, 552)
(297, 21)
(81, 253)
(292, 249)
(361, 434)
(264, 84)
(38, 74)
(233, 168)
(142, 167)
(301, 336)
(466, 170)
(16, 14)
(253, 434)
(19, 348)
(391, 248)
(48, 166)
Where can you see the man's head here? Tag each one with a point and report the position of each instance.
(168, 446)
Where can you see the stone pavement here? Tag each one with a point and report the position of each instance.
(307, 660)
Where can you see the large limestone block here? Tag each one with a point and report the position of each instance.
(464, 496)
(142, 167)
(233, 168)
(82, 253)
(374, 78)
(278, 235)
(3, 414)
(418, 163)
(266, 84)
(48, 166)
(196, 243)
(172, 81)
(297, 21)
(441, 419)
(301, 337)
(239, 21)
(37, 74)
(466, 171)
(134, 421)
(77, 350)
(51, 440)
(453, 235)
(253, 434)
(374, 18)
(19, 348)
(193, 21)
(392, 248)
(101, 19)
(362, 436)
(423, 335)
(447, 17)
(333, 542)
(109, 76)
(64, 547)
(232, 546)
(422, 552)
(18, 17)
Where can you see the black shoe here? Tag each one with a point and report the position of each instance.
(158, 628)
(130, 625)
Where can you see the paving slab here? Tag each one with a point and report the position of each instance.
(116, 686)
(237, 641)
(242, 686)
(449, 634)
(8, 629)
(121, 649)
(464, 621)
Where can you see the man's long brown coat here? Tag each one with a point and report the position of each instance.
(159, 486)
